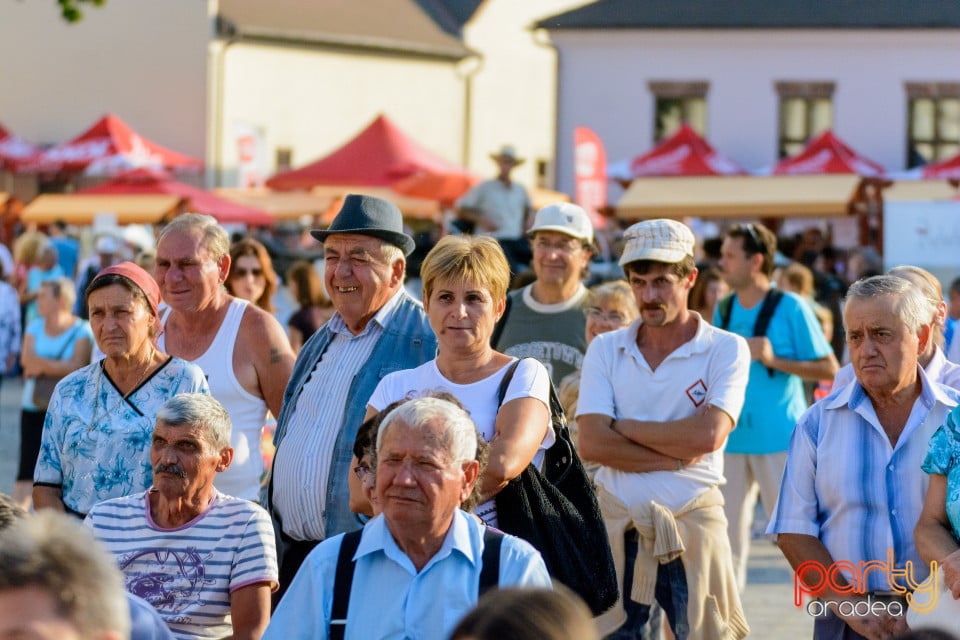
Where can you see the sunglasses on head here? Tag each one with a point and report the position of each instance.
(758, 245)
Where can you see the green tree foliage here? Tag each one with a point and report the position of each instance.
(70, 9)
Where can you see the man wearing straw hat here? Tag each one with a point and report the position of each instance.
(499, 208)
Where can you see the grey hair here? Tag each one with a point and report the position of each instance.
(201, 410)
(55, 553)
(391, 253)
(931, 289)
(911, 306)
(459, 436)
(215, 238)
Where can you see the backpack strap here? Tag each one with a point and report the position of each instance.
(726, 308)
(501, 323)
(490, 571)
(770, 302)
(342, 582)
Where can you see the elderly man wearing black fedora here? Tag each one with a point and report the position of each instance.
(377, 328)
(499, 207)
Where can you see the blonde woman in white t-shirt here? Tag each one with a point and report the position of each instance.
(465, 282)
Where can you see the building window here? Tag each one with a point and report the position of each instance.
(678, 103)
(284, 158)
(933, 121)
(806, 109)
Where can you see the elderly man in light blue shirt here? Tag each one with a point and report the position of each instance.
(853, 488)
(418, 566)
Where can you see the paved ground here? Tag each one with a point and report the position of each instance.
(767, 601)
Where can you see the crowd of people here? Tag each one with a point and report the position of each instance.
(707, 378)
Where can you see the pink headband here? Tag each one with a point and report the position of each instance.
(137, 276)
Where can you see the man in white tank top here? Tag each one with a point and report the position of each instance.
(242, 349)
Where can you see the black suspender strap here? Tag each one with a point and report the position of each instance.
(343, 578)
(342, 582)
(490, 571)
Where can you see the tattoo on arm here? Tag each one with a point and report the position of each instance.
(275, 356)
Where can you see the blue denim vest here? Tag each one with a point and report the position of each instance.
(406, 343)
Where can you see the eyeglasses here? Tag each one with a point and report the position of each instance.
(566, 246)
(361, 471)
(596, 313)
(243, 273)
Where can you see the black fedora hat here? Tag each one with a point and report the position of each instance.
(369, 216)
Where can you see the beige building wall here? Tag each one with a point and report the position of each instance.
(313, 100)
(514, 87)
(142, 60)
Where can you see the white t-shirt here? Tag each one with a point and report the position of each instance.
(530, 380)
(616, 381)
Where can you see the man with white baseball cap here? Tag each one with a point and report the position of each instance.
(657, 400)
(545, 320)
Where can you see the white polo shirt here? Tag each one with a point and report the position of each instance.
(616, 381)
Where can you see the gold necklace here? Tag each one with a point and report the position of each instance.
(123, 396)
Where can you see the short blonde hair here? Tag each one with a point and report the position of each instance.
(616, 292)
(462, 258)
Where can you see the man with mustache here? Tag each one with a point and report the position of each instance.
(657, 401)
(204, 560)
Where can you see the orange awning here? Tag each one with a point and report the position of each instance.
(81, 209)
(739, 197)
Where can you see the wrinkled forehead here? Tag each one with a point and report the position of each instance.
(184, 244)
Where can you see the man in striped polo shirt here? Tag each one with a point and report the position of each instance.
(205, 561)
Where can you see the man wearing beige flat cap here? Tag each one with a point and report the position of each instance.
(499, 208)
(657, 401)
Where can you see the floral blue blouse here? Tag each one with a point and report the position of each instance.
(96, 443)
(944, 458)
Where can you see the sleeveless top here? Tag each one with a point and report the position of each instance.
(247, 412)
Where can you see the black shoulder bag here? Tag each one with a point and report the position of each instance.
(556, 511)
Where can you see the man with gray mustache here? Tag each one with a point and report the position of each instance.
(204, 560)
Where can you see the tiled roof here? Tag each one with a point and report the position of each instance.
(390, 25)
(759, 14)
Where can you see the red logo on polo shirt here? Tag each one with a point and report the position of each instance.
(697, 392)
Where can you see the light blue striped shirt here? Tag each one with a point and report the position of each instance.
(389, 598)
(846, 485)
(189, 572)
(302, 464)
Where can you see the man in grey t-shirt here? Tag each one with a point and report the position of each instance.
(545, 320)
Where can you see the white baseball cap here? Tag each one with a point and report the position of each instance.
(107, 244)
(564, 217)
(660, 240)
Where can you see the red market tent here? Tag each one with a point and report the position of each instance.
(828, 154)
(380, 155)
(948, 169)
(445, 187)
(148, 181)
(685, 153)
(15, 150)
(110, 147)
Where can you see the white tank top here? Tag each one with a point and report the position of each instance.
(247, 412)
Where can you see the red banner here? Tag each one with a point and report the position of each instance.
(590, 173)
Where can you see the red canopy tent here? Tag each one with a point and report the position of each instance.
(109, 147)
(380, 155)
(14, 150)
(685, 153)
(828, 154)
(148, 181)
(948, 169)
